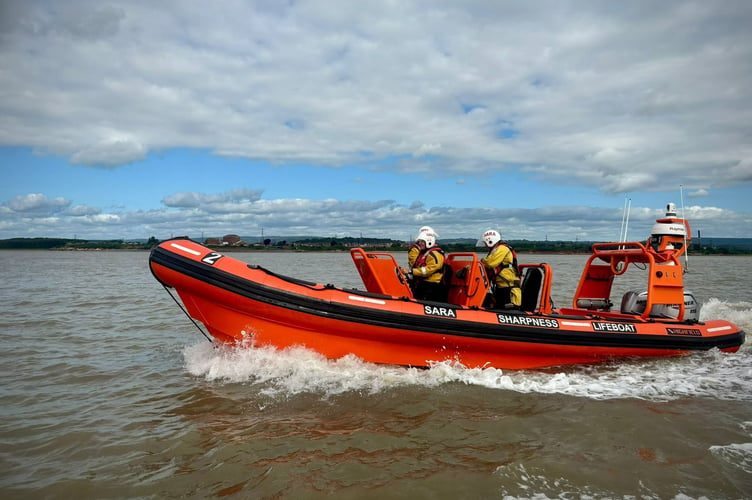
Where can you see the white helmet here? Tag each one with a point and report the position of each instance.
(491, 237)
(428, 229)
(429, 237)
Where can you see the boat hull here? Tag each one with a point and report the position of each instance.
(248, 305)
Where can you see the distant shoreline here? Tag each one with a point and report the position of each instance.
(714, 246)
(291, 250)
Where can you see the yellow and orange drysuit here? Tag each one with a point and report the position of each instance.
(501, 263)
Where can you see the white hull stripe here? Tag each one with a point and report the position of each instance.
(366, 299)
(187, 250)
(575, 323)
(719, 329)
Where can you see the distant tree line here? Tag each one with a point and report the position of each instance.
(740, 246)
(73, 244)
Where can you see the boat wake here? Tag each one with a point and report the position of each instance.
(739, 313)
(736, 455)
(711, 374)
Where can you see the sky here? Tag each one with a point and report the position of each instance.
(542, 119)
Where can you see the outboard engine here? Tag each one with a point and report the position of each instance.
(634, 302)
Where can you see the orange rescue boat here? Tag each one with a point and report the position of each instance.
(243, 304)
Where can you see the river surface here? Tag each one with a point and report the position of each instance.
(107, 390)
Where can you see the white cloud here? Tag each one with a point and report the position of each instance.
(427, 149)
(194, 200)
(619, 97)
(629, 90)
(110, 153)
(82, 210)
(103, 219)
(36, 203)
(241, 212)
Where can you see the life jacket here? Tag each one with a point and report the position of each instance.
(423, 256)
(496, 270)
(439, 276)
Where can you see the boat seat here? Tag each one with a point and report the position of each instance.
(531, 286)
(467, 283)
(380, 273)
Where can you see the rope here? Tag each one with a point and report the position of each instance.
(188, 315)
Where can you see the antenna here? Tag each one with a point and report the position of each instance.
(686, 249)
(625, 219)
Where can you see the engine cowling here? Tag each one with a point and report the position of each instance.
(634, 301)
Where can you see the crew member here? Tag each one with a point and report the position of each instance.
(501, 263)
(414, 250)
(428, 269)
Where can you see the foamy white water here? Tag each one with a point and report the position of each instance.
(713, 374)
